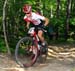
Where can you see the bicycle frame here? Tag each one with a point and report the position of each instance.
(33, 49)
(35, 37)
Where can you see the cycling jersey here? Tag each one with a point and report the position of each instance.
(34, 18)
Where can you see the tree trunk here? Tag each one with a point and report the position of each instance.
(57, 15)
(4, 29)
(68, 10)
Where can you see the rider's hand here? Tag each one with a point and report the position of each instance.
(43, 26)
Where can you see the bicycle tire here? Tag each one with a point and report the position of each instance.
(35, 55)
(43, 54)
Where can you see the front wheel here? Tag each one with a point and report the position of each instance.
(26, 52)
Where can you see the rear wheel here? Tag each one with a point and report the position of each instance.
(26, 52)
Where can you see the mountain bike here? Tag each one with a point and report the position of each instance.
(28, 50)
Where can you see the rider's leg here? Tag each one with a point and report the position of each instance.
(40, 35)
(43, 42)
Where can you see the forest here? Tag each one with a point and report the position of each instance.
(61, 15)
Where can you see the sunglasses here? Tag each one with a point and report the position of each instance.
(27, 13)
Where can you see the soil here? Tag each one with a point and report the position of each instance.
(8, 63)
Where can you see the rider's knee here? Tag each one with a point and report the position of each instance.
(40, 33)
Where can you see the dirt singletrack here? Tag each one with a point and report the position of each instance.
(59, 59)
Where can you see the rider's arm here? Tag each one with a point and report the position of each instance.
(27, 20)
(42, 18)
(27, 25)
(46, 21)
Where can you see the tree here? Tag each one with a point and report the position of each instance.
(4, 29)
(57, 16)
(68, 10)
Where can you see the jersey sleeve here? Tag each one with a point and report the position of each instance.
(26, 19)
(39, 16)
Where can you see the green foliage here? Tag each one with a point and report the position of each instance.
(72, 20)
(2, 45)
(15, 25)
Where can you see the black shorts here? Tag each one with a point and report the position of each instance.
(39, 27)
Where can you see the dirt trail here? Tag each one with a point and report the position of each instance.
(52, 64)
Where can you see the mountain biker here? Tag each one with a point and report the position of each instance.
(35, 19)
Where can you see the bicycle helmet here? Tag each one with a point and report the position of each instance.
(27, 8)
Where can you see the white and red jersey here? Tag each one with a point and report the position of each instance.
(34, 18)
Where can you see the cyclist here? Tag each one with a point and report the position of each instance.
(35, 19)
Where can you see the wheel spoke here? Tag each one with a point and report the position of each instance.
(26, 52)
